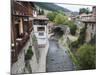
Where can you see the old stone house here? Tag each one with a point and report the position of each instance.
(89, 21)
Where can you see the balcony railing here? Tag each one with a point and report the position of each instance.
(20, 9)
(20, 43)
(88, 19)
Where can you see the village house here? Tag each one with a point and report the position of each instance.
(89, 20)
(28, 30)
(40, 25)
(41, 29)
(21, 35)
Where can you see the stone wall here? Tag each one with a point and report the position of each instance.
(19, 66)
(40, 66)
(90, 31)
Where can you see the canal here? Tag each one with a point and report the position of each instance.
(58, 59)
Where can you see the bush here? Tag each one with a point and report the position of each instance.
(60, 19)
(72, 26)
(51, 15)
(87, 56)
(29, 54)
(81, 38)
(73, 29)
(74, 44)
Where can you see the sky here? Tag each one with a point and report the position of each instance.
(74, 8)
(71, 7)
(88, 2)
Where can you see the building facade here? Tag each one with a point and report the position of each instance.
(24, 35)
(21, 36)
(89, 21)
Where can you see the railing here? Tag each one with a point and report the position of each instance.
(88, 19)
(21, 43)
(20, 9)
(13, 56)
(19, 46)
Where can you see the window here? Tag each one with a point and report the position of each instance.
(41, 28)
(41, 33)
(40, 22)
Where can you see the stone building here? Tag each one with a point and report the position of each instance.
(24, 34)
(89, 21)
(41, 32)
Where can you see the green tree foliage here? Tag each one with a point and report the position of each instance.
(29, 54)
(41, 12)
(72, 26)
(81, 39)
(51, 15)
(87, 56)
(84, 10)
(60, 19)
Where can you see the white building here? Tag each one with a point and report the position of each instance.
(41, 30)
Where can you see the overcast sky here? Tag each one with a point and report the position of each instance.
(87, 2)
(74, 8)
(71, 7)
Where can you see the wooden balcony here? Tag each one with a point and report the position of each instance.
(20, 44)
(20, 9)
(88, 18)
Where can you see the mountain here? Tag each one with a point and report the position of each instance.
(51, 7)
(75, 13)
(54, 7)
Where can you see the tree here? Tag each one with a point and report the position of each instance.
(84, 10)
(29, 53)
(81, 39)
(72, 26)
(51, 15)
(39, 11)
(87, 56)
(42, 12)
(60, 19)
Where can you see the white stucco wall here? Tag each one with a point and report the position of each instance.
(42, 61)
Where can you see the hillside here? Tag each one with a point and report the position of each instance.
(54, 7)
(51, 7)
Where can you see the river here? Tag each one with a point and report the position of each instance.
(58, 59)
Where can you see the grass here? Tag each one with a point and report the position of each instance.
(73, 57)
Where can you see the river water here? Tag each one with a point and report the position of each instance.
(58, 59)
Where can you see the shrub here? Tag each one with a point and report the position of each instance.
(74, 44)
(81, 38)
(51, 15)
(29, 54)
(60, 19)
(87, 56)
(72, 26)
